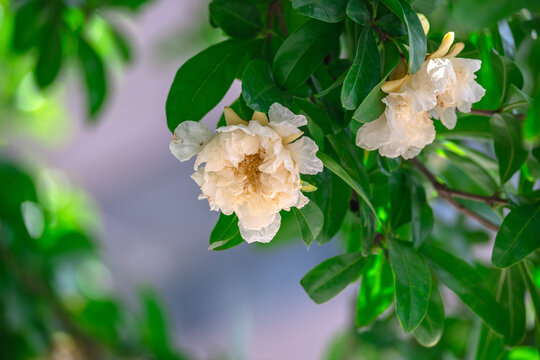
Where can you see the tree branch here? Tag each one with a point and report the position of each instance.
(490, 113)
(449, 195)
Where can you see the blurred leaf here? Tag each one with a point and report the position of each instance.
(202, 81)
(122, 44)
(467, 126)
(94, 74)
(225, 234)
(412, 281)
(330, 277)
(468, 285)
(490, 345)
(353, 182)
(512, 290)
(376, 292)
(506, 73)
(531, 126)
(238, 18)
(421, 215)
(303, 51)
(331, 11)
(508, 147)
(50, 57)
(358, 11)
(400, 200)
(430, 330)
(507, 38)
(259, 89)
(425, 6)
(310, 219)
(364, 73)
(417, 38)
(27, 30)
(372, 106)
(518, 235)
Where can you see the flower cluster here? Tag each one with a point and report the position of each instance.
(443, 85)
(250, 168)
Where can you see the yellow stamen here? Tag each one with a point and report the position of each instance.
(445, 46)
(455, 50)
(289, 139)
(260, 117)
(394, 85)
(425, 23)
(232, 118)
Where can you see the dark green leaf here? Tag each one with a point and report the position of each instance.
(490, 345)
(412, 281)
(425, 6)
(225, 234)
(94, 74)
(417, 38)
(354, 183)
(376, 290)
(332, 196)
(421, 215)
(238, 18)
(430, 330)
(259, 89)
(330, 277)
(468, 285)
(310, 219)
(28, 28)
(531, 126)
(50, 57)
(508, 147)
(506, 73)
(400, 200)
(326, 10)
(203, 80)
(512, 298)
(364, 73)
(518, 235)
(372, 107)
(303, 51)
(358, 11)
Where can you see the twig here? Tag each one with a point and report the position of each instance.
(490, 113)
(279, 15)
(449, 195)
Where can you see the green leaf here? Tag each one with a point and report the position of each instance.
(506, 73)
(259, 89)
(508, 147)
(303, 51)
(421, 215)
(412, 281)
(430, 330)
(50, 57)
(330, 277)
(364, 73)
(376, 292)
(512, 298)
(28, 26)
(332, 197)
(94, 74)
(507, 38)
(331, 11)
(225, 234)
(400, 200)
(425, 6)
(532, 287)
(490, 345)
(203, 80)
(468, 285)
(372, 107)
(518, 235)
(238, 18)
(358, 11)
(531, 126)
(417, 38)
(354, 183)
(310, 219)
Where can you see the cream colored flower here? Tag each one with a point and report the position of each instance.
(252, 168)
(443, 84)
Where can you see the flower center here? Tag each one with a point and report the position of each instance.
(250, 168)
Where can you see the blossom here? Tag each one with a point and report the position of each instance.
(443, 84)
(250, 168)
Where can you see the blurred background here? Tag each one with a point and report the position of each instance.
(245, 303)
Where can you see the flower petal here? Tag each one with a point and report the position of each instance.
(190, 138)
(264, 235)
(304, 153)
(279, 113)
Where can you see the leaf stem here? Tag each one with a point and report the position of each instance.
(450, 194)
(490, 113)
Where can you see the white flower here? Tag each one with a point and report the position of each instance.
(400, 131)
(442, 85)
(253, 168)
